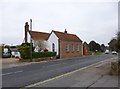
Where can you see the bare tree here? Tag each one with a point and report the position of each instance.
(40, 44)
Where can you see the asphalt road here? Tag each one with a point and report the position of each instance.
(25, 75)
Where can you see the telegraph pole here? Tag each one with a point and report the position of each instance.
(31, 40)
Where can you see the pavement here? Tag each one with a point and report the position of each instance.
(95, 75)
(12, 62)
(9, 62)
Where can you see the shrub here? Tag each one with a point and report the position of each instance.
(28, 44)
(24, 50)
(13, 56)
(43, 54)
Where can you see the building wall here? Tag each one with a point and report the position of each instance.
(28, 37)
(85, 49)
(53, 39)
(75, 53)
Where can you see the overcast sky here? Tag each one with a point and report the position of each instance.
(90, 20)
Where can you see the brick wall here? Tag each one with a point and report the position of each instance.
(69, 53)
(26, 30)
(85, 49)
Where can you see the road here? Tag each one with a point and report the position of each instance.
(25, 75)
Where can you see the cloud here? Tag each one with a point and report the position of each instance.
(89, 20)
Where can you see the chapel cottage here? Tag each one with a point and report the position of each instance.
(63, 43)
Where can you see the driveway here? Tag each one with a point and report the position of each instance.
(12, 62)
(9, 60)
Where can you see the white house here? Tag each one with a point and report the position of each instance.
(53, 42)
(65, 44)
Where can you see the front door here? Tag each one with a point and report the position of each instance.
(53, 47)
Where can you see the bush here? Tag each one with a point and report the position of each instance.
(24, 51)
(43, 54)
(13, 56)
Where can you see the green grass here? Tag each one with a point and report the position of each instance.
(95, 53)
(98, 53)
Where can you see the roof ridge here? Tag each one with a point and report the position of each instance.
(64, 33)
(66, 36)
(40, 32)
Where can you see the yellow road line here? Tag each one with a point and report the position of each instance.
(35, 84)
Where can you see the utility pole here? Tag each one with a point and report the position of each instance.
(31, 40)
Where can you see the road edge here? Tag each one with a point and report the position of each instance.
(50, 79)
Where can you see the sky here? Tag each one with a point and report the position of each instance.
(89, 19)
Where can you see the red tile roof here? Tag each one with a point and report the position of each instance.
(61, 35)
(66, 36)
(39, 35)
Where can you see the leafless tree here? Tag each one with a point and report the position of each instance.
(40, 44)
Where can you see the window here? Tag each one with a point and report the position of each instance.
(77, 47)
(72, 48)
(53, 47)
(67, 47)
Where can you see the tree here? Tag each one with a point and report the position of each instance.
(13, 47)
(39, 44)
(94, 46)
(103, 48)
(24, 50)
(1, 50)
(118, 42)
(113, 44)
(28, 44)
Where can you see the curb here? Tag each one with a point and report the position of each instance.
(45, 81)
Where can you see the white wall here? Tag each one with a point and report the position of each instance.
(28, 37)
(53, 39)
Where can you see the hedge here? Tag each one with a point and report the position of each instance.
(43, 54)
(38, 55)
(24, 50)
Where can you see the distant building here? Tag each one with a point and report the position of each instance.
(85, 49)
(65, 44)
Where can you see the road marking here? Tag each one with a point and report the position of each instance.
(45, 81)
(11, 73)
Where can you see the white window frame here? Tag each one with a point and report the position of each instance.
(67, 47)
(77, 47)
(72, 48)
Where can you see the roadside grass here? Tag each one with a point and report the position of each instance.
(98, 53)
(95, 53)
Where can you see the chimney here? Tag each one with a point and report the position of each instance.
(26, 30)
(65, 31)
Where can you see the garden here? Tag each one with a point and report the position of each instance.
(28, 54)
